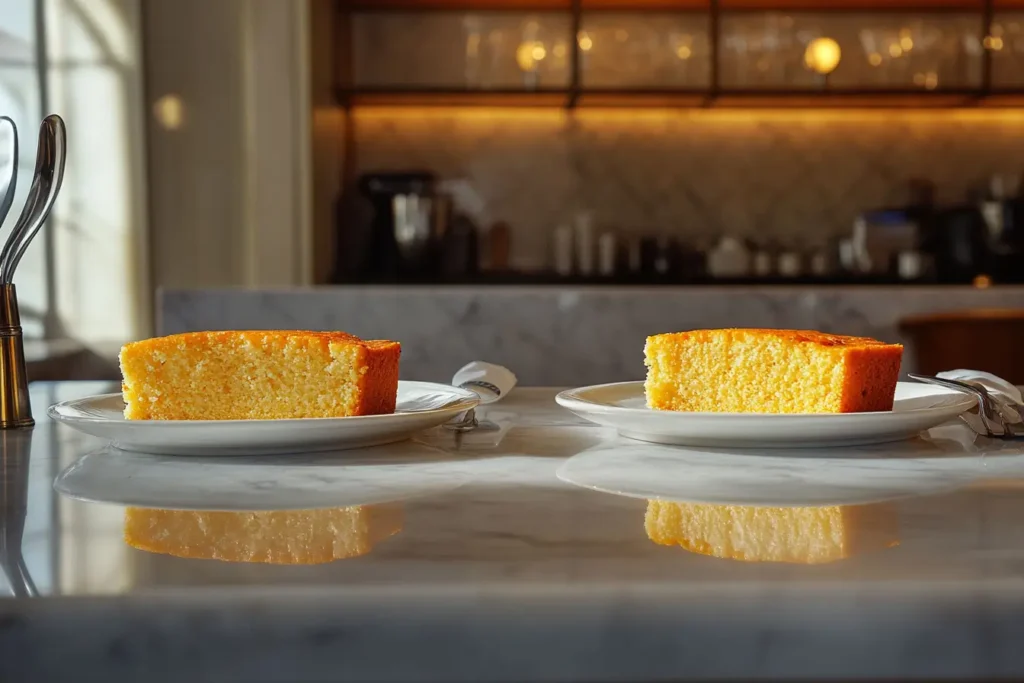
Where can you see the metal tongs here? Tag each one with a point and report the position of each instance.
(1000, 417)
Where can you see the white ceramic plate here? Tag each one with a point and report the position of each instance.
(622, 406)
(421, 405)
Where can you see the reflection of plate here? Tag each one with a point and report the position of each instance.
(794, 478)
(622, 406)
(421, 405)
(295, 482)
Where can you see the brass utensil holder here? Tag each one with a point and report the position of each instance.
(15, 407)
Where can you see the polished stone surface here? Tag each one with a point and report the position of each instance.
(505, 570)
(561, 336)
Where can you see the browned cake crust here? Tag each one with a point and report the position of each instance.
(770, 371)
(259, 374)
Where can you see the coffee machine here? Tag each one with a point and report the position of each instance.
(405, 213)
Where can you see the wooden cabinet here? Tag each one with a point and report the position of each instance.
(987, 340)
(683, 52)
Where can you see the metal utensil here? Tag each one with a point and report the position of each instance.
(46, 183)
(15, 408)
(8, 165)
(1000, 419)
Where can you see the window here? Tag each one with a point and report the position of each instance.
(21, 100)
(85, 275)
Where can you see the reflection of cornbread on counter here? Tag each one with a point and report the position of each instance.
(770, 371)
(274, 537)
(239, 375)
(809, 535)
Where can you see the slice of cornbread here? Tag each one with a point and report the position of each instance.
(277, 537)
(258, 375)
(812, 535)
(770, 371)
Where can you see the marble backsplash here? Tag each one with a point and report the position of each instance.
(566, 336)
(794, 177)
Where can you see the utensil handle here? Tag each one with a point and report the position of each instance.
(46, 184)
(12, 183)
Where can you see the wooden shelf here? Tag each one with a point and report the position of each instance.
(849, 98)
(643, 98)
(669, 5)
(545, 97)
(684, 98)
(455, 5)
(852, 5)
(646, 5)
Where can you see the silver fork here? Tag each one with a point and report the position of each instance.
(1000, 418)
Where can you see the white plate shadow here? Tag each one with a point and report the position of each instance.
(368, 476)
(944, 459)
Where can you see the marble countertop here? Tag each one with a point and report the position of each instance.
(564, 336)
(530, 550)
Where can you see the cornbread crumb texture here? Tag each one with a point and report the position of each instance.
(275, 537)
(258, 375)
(770, 371)
(809, 535)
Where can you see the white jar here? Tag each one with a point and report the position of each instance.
(729, 259)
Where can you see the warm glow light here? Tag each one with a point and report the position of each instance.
(585, 41)
(906, 41)
(993, 43)
(528, 54)
(874, 59)
(931, 80)
(822, 55)
(622, 35)
(983, 282)
(169, 112)
(560, 50)
(683, 52)
(895, 50)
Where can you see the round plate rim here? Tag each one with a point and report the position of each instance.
(570, 400)
(467, 400)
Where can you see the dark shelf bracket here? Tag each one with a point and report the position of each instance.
(576, 64)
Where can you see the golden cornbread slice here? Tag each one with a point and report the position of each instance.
(258, 375)
(770, 371)
(809, 535)
(276, 537)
